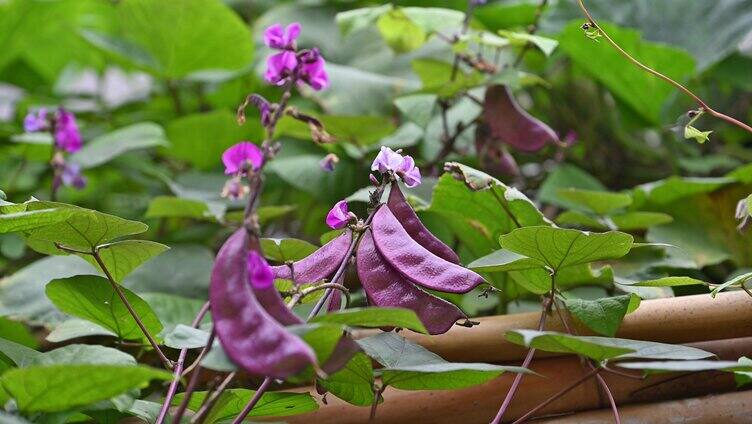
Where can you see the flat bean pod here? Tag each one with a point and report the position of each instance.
(386, 287)
(414, 261)
(410, 221)
(318, 265)
(254, 340)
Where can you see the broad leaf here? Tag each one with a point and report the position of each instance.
(503, 260)
(600, 202)
(271, 404)
(399, 32)
(557, 248)
(375, 317)
(443, 376)
(392, 350)
(603, 348)
(92, 298)
(739, 280)
(19, 354)
(669, 282)
(656, 367)
(418, 108)
(288, 249)
(177, 207)
(185, 337)
(353, 383)
(111, 145)
(544, 44)
(603, 316)
(25, 221)
(183, 270)
(62, 387)
(122, 257)
(84, 354)
(74, 328)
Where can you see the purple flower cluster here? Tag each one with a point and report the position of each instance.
(62, 124)
(67, 138)
(289, 63)
(390, 162)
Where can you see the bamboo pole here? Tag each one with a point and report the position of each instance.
(478, 404)
(728, 408)
(671, 320)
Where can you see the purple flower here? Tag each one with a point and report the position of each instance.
(71, 175)
(259, 272)
(403, 166)
(339, 216)
(280, 66)
(36, 121)
(236, 158)
(409, 172)
(312, 72)
(67, 137)
(478, 2)
(327, 164)
(284, 39)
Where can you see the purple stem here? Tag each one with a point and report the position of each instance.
(192, 383)
(525, 364)
(254, 400)
(212, 398)
(179, 369)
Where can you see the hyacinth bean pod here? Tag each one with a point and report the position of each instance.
(274, 305)
(318, 265)
(414, 261)
(512, 125)
(254, 340)
(386, 287)
(410, 221)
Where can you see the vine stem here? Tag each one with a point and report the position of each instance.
(254, 400)
(525, 363)
(115, 286)
(172, 390)
(212, 399)
(192, 382)
(559, 394)
(532, 29)
(657, 74)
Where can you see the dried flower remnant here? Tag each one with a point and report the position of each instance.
(329, 162)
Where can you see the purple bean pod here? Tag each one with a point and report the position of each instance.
(511, 124)
(414, 261)
(386, 287)
(249, 335)
(318, 265)
(410, 221)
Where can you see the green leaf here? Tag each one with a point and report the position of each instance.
(669, 282)
(63, 387)
(558, 247)
(393, 351)
(433, 19)
(743, 378)
(538, 280)
(188, 36)
(599, 202)
(321, 337)
(436, 77)
(17, 332)
(503, 260)
(356, 19)
(603, 316)
(106, 147)
(183, 270)
(739, 280)
(399, 32)
(84, 354)
(375, 318)
(25, 221)
(189, 136)
(173, 310)
(643, 92)
(418, 108)
(566, 176)
(353, 383)
(357, 130)
(288, 249)
(19, 354)
(446, 376)
(271, 404)
(699, 136)
(630, 221)
(185, 337)
(657, 367)
(92, 298)
(178, 207)
(122, 257)
(544, 44)
(603, 348)
(84, 230)
(74, 328)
